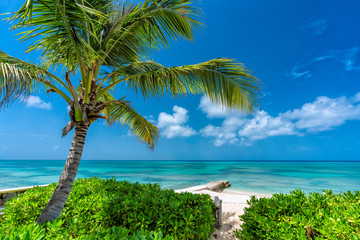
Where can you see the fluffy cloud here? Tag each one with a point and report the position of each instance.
(37, 102)
(321, 115)
(226, 133)
(324, 113)
(174, 125)
(180, 116)
(222, 135)
(244, 131)
(263, 126)
(239, 129)
(356, 98)
(178, 131)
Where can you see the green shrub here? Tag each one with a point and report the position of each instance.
(297, 216)
(120, 233)
(33, 231)
(40, 232)
(96, 205)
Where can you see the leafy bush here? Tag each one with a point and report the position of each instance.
(40, 232)
(96, 205)
(33, 231)
(121, 233)
(297, 216)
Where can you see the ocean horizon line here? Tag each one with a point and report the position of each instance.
(248, 176)
(159, 160)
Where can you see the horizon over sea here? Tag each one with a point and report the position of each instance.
(249, 176)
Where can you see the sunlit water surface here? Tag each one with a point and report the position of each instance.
(255, 177)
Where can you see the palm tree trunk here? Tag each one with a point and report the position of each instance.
(62, 191)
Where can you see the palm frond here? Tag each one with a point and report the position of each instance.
(12, 86)
(136, 29)
(123, 113)
(18, 78)
(73, 31)
(62, 28)
(225, 81)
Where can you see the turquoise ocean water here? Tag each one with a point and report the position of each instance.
(255, 177)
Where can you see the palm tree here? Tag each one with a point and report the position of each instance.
(107, 44)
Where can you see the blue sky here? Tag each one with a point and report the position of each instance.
(305, 52)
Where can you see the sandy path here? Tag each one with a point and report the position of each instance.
(233, 204)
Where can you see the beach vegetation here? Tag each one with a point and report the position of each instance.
(299, 216)
(103, 48)
(105, 207)
(51, 231)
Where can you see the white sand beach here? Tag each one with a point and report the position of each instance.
(233, 204)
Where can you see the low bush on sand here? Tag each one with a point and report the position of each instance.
(109, 209)
(301, 216)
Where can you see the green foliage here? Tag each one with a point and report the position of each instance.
(297, 216)
(96, 206)
(32, 231)
(120, 233)
(223, 80)
(51, 231)
(103, 30)
(123, 113)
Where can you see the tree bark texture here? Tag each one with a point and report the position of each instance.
(62, 191)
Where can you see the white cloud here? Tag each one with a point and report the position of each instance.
(179, 117)
(211, 131)
(37, 102)
(263, 126)
(296, 72)
(233, 122)
(239, 129)
(347, 57)
(244, 131)
(324, 113)
(222, 134)
(173, 125)
(356, 98)
(214, 110)
(178, 131)
(317, 26)
(321, 115)
(226, 133)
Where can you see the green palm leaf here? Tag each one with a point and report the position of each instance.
(18, 78)
(88, 30)
(123, 113)
(225, 81)
(63, 28)
(133, 30)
